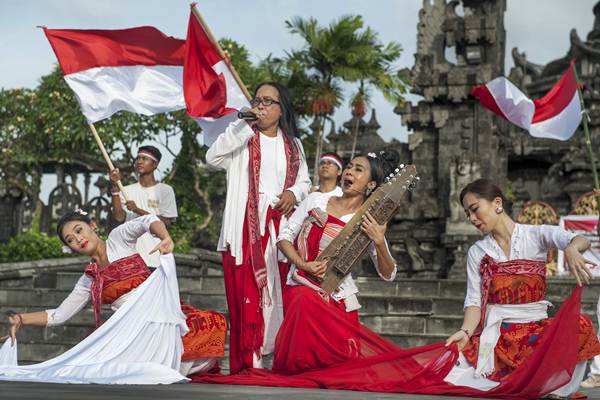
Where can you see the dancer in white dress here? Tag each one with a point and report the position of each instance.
(151, 338)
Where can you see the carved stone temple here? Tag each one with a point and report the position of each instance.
(454, 140)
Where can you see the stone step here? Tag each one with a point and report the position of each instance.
(213, 284)
(67, 334)
(557, 287)
(408, 340)
(412, 288)
(413, 324)
(53, 297)
(388, 304)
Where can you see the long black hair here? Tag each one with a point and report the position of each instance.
(287, 122)
(382, 164)
(77, 215)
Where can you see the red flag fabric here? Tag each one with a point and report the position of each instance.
(211, 93)
(136, 69)
(555, 116)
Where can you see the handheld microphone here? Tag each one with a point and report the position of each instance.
(247, 115)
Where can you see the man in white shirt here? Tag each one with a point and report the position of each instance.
(147, 196)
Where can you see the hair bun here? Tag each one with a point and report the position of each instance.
(390, 159)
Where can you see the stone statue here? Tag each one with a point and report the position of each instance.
(413, 250)
(462, 172)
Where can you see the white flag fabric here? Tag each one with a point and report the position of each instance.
(138, 69)
(555, 116)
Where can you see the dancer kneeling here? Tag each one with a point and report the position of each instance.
(142, 342)
(304, 341)
(506, 317)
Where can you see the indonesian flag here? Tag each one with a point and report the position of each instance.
(137, 69)
(212, 94)
(555, 116)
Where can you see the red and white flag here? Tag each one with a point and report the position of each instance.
(555, 116)
(137, 69)
(212, 94)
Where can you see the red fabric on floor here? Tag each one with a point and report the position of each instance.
(381, 366)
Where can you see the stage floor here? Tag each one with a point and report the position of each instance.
(45, 391)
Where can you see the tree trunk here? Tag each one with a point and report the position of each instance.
(355, 136)
(318, 149)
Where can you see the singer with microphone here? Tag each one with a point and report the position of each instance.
(267, 176)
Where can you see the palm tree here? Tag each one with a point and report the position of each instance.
(344, 51)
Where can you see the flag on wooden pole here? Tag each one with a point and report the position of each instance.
(137, 69)
(213, 90)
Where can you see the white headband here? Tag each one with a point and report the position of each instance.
(147, 154)
(334, 160)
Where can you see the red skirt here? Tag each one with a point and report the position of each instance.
(304, 344)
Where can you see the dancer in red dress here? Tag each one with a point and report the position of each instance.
(518, 352)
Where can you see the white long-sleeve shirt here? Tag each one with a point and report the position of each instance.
(230, 152)
(530, 242)
(347, 289)
(121, 243)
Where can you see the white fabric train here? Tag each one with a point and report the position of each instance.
(139, 344)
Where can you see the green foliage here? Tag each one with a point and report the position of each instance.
(31, 245)
(45, 125)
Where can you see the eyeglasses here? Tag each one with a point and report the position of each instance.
(266, 101)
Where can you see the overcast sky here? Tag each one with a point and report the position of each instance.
(540, 28)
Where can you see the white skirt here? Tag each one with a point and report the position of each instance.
(139, 344)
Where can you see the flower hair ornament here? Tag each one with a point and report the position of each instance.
(372, 155)
(80, 211)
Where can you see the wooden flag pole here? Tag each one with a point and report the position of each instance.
(107, 158)
(222, 53)
(588, 143)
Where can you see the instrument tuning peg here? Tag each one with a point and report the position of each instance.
(397, 170)
(418, 178)
(401, 165)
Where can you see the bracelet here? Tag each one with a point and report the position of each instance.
(467, 332)
(115, 193)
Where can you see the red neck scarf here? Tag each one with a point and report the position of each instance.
(488, 268)
(257, 258)
(120, 269)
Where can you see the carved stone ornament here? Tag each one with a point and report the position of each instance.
(586, 205)
(537, 213)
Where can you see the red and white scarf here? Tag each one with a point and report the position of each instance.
(257, 258)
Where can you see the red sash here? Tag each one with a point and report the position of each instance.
(116, 271)
(488, 268)
(257, 257)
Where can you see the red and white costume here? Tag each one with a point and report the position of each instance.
(259, 168)
(151, 338)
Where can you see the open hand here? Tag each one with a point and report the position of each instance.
(577, 265)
